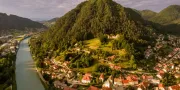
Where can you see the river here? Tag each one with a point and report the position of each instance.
(26, 75)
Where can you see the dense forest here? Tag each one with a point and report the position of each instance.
(147, 14)
(167, 20)
(7, 71)
(94, 19)
(10, 23)
(170, 15)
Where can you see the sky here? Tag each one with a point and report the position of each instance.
(48, 9)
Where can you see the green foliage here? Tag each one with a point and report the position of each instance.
(92, 19)
(103, 69)
(168, 15)
(103, 38)
(81, 61)
(169, 79)
(147, 14)
(7, 69)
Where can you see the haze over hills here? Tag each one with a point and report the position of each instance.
(49, 23)
(9, 23)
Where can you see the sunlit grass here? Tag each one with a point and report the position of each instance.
(93, 43)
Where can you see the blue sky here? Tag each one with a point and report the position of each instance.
(47, 9)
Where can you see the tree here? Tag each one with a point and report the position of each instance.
(132, 62)
(103, 38)
(169, 79)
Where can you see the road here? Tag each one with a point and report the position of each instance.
(26, 75)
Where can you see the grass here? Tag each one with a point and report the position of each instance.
(19, 39)
(89, 69)
(93, 43)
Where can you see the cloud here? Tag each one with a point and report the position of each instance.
(46, 9)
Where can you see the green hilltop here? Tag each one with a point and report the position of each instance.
(170, 15)
(147, 14)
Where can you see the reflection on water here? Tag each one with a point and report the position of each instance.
(26, 76)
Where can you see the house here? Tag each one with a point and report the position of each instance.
(53, 76)
(55, 67)
(86, 78)
(147, 78)
(111, 58)
(155, 81)
(93, 88)
(108, 83)
(68, 88)
(117, 81)
(161, 87)
(101, 77)
(177, 75)
(125, 82)
(175, 87)
(145, 84)
(118, 88)
(112, 66)
(106, 88)
(160, 74)
(58, 84)
(47, 62)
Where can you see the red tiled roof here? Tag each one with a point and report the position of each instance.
(68, 88)
(106, 88)
(160, 85)
(175, 87)
(92, 88)
(101, 76)
(87, 78)
(125, 81)
(145, 84)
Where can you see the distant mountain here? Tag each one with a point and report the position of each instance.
(49, 23)
(170, 15)
(9, 22)
(147, 14)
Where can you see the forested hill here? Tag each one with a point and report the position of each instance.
(91, 19)
(49, 23)
(170, 15)
(147, 14)
(8, 22)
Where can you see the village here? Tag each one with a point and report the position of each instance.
(66, 78)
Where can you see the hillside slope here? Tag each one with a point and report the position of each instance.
(8, 22)
(169, 15)
(91, 19)
(147, 14)
(50, 22)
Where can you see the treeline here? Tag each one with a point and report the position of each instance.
(7, 70)
(10, 23)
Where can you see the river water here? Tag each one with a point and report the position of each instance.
(26, 75)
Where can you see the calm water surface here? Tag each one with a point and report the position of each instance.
(26, 75)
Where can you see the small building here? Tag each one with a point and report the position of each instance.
(161, 87)
(117, 82)
(175, 87)
(93, 88)
(101, 77)
(86, 78)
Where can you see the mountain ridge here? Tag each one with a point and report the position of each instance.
(167, 15)
(9, 22)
